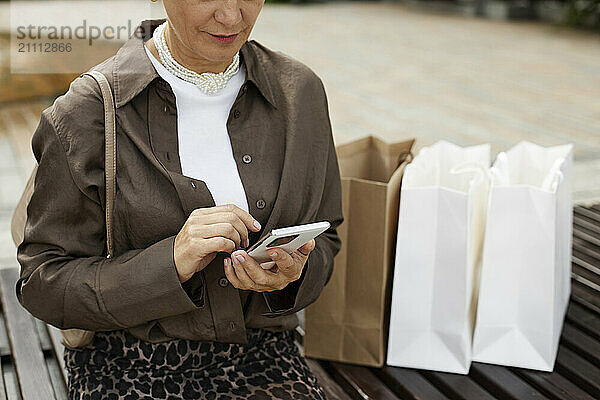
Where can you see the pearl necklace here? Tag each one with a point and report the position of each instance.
(208, 82)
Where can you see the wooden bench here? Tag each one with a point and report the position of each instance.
(32, 355)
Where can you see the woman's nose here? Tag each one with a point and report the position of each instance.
(228, 13)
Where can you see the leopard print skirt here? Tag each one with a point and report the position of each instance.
(118, 365)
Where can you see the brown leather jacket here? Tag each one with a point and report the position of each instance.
(280, 119)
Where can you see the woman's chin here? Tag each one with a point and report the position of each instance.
(217, 53)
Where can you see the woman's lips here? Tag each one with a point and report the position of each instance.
(224, 39)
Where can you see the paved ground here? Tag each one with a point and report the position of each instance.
(397, 72)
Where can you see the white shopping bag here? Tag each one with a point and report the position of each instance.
(526, 262)
(440, 227)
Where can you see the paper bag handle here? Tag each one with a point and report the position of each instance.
(496, 178)
(555, 177)
(480, 172)
(402, 157)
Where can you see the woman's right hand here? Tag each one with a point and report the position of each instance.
(207, 231)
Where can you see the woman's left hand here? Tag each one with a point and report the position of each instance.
(247, 274)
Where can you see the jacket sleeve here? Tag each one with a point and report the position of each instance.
(65, 278)
(319, 265)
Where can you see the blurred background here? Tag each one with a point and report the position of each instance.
(467, 71)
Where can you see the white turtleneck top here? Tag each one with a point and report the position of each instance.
(204, 147)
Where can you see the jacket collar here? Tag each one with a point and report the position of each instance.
(133, 71)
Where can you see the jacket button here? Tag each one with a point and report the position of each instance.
(236, 113)
(247, 158)
(193, 184)
(260, 203)
(223, 282)
(244, 88)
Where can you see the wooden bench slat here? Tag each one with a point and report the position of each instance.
(584, 261)
(329, 385)
(585, 277)
(2, 385)
(457, 386)
(594, 210)
(29, 361)
(586, 212)
(552, 385)
(331, 388)
(582, 344)
(57, 378)
(587, 235)
(581, 221)
(408, 383)
(4, 345)
(578, 370)
(45, 343)
(588, 249)
(585, 239)
(585, 296)
(358, 382)
(503, 383)
(11, 382)
(584, 319)
(59, 348)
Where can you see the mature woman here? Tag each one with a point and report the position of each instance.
(219, 140)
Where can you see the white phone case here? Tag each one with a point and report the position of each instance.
(289, 239)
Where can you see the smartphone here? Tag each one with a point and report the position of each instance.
(289, 239)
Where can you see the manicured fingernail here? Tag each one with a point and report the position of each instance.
(257, 224)
(226, 262)
(240, 258)
(274, 254)
(247, 242)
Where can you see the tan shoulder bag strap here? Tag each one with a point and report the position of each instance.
(110, 153)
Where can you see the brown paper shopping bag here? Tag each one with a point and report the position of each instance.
(349, 321)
